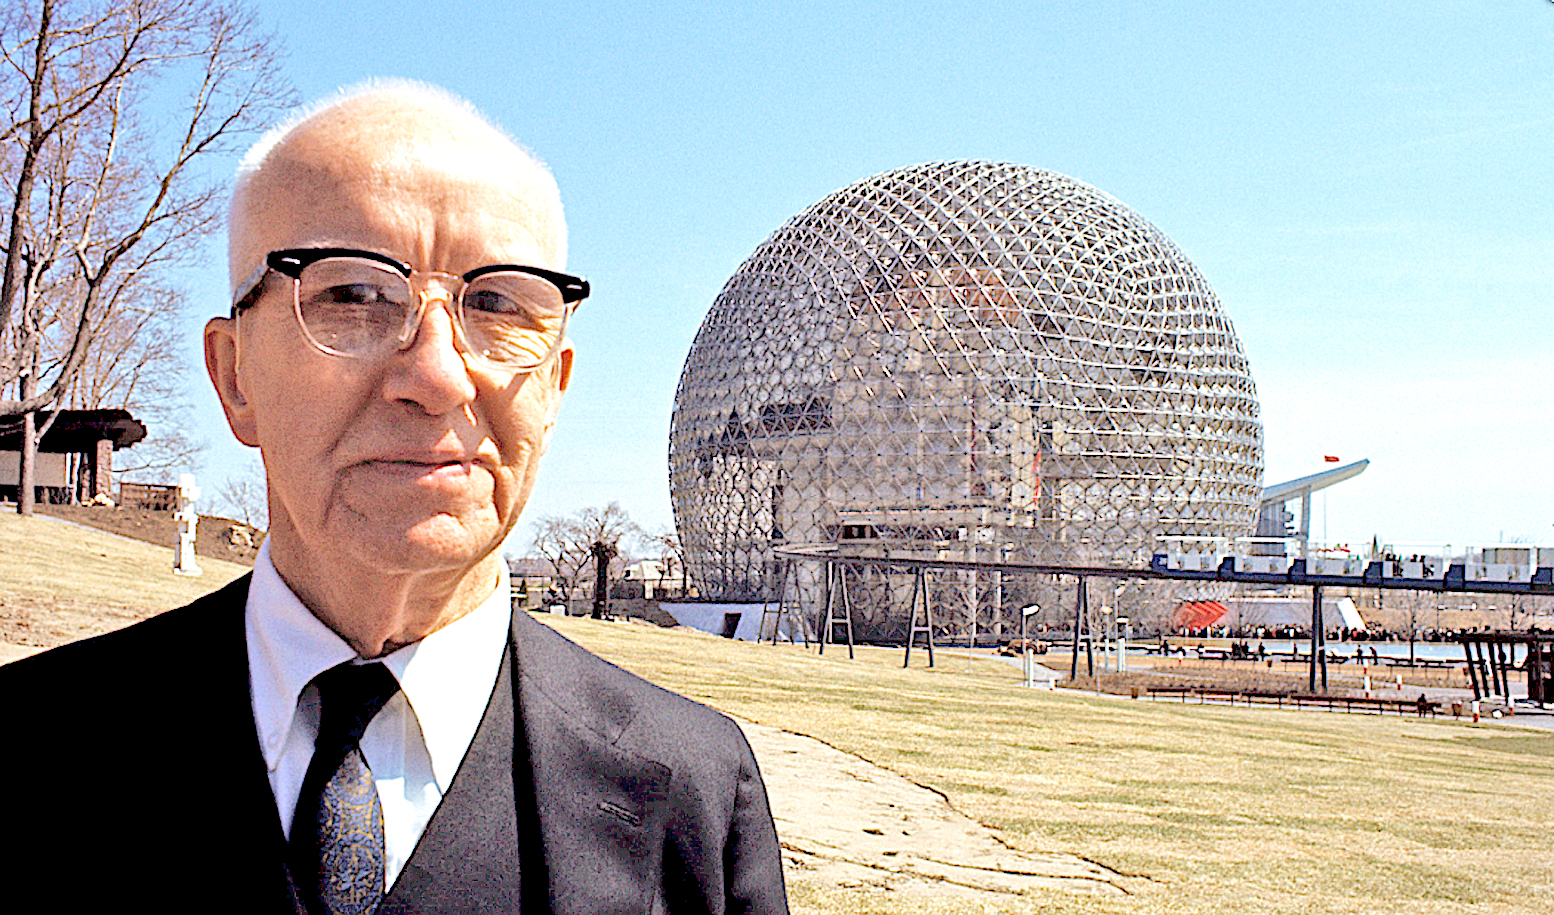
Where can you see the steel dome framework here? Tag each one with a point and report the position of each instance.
(969, 359)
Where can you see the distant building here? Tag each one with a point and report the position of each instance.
(650, 578)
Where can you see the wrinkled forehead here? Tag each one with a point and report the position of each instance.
(382, 174)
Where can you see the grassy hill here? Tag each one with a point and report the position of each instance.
(60, 581)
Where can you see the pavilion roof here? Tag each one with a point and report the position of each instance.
(76, 431)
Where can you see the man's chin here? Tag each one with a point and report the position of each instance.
(434, 543)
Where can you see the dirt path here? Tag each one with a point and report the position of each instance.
(847, 822)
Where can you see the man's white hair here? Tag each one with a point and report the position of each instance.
(529, 170)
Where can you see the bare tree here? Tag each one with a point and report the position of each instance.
(1541, 607)
(246, 496)
(567, 542)
(138, 365)
(665, 542)
(1412, 619)
(108, 110)
(553, 541)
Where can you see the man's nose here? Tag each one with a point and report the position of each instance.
(430, 370)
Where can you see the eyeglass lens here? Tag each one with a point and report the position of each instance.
(356, 307)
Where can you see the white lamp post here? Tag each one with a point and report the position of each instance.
(1025, 644)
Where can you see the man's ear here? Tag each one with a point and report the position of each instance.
(223, 363)
(561, 372)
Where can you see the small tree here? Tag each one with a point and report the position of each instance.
(246, 496)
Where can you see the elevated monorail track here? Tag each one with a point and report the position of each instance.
(1319, 572)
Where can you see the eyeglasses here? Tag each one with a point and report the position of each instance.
(361, 304)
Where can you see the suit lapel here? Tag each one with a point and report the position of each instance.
(468, 857)
(601, 809)
(223, 764)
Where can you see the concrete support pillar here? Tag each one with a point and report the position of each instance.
(99, 471)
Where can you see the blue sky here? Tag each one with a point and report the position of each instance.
(1369, 188)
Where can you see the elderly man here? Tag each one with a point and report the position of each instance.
(363, 724)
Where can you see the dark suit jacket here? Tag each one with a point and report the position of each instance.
(132, 772)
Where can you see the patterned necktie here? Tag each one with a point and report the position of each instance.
(337, 833)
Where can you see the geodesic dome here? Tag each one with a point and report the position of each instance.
(969, 358)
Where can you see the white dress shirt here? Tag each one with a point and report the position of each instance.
(415, 744)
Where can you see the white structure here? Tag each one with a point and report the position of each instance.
(188, 518)
(1273, 610)
(734, 621)
(1273, 519)
(968, 360)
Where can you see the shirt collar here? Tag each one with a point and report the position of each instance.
(448, 676)
(288, 646)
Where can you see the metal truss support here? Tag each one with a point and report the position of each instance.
(1503, 664)
(1491, 658)
(1318, 642)
(1489, 669)
(1082, 630)
(919, 587)
(836, 595)
(775, 614)
(1475, 664)
(782, 612)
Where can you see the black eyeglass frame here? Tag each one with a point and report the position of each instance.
(290, 262)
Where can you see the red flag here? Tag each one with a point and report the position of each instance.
(1331, 459)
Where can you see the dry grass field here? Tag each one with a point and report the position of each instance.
(1206, 808)
(1211, 809)
(60, 582)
